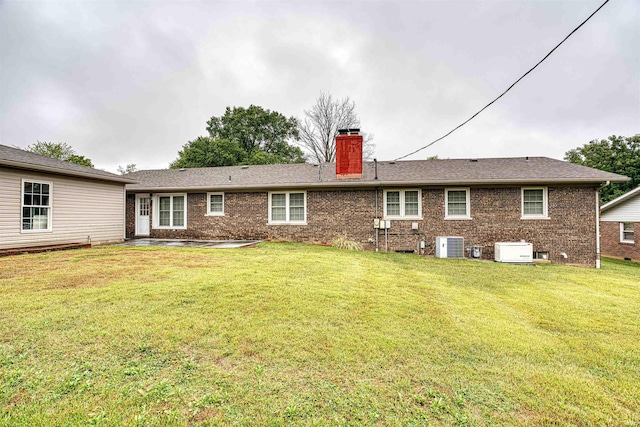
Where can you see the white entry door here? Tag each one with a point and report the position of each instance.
(143, 208)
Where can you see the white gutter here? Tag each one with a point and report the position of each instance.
(358, 185)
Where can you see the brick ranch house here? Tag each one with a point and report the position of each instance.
(550, 203)
(620, 225)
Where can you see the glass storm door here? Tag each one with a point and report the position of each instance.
(143, 207)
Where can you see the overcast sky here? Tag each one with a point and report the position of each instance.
(131, 82)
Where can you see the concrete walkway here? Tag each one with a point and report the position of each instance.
(179, 243)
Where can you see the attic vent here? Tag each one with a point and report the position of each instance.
(473, 160)
(245, 167)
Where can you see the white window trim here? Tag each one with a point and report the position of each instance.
(49, 228)
(545, 203)
(402, 216)
(209, 213)
(156, 211)
(287, 221)
(622, 239)
(446, 204)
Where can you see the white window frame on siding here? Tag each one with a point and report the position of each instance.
(624, 232)
(545, 203)
(402, 208)
(467, 214)
(156, 211)
(48, 206)
(212, 212)
(287, 207)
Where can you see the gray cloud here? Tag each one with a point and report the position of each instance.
(132, 82)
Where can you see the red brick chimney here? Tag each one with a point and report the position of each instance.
(349, 154)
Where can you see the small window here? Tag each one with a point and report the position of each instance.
(36, 206)
(171, 211)
(403, 204)
(457, 204)
(626, 232)
(287, 208)
(215, 204)
(541, 256)
(534, 203)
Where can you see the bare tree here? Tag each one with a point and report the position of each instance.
(320, 126)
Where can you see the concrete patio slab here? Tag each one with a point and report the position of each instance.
(180, 243)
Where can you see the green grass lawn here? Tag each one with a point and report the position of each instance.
(291, 334)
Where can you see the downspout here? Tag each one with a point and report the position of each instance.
(598, 223)
(376, 230)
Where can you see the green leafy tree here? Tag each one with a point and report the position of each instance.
(243, 136)
(131, 167)
(205, 151)
(60, 151)
(617, 154)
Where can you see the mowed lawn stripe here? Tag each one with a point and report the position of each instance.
(296, 334)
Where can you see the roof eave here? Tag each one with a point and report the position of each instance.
(373, 184)
(615, 202)
(66, 172)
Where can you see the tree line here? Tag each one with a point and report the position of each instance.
(255, 136)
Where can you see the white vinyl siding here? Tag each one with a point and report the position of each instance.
(402, 204)
(457, 203)
(215, 204)
(627, 211)
(82, 210)
(288, 208)
(534, 203)
(170, 211)
(626, 232)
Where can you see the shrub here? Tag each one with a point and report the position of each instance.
(343, 243)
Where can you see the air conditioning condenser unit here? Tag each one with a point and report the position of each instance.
(449, 247)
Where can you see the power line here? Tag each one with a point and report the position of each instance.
(508, 89)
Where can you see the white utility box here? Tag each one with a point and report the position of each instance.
(449, 247)
(514, 252)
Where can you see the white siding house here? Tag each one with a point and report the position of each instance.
(47, 202)
(620, 226)
(625, 208)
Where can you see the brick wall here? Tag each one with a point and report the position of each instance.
(495, 216)
(130, 216)
(612, 246)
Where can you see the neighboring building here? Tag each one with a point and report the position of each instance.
(620, 226)
(48, 202)
(549, 203)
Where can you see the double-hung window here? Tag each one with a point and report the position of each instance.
(288, 208)
(215, 204)
(36, 205)
(456, 202)
(534, 203)
(403, 204)
(171, 211)
(626, 232)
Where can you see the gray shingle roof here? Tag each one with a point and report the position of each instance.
(20, 159)
(534, 170)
